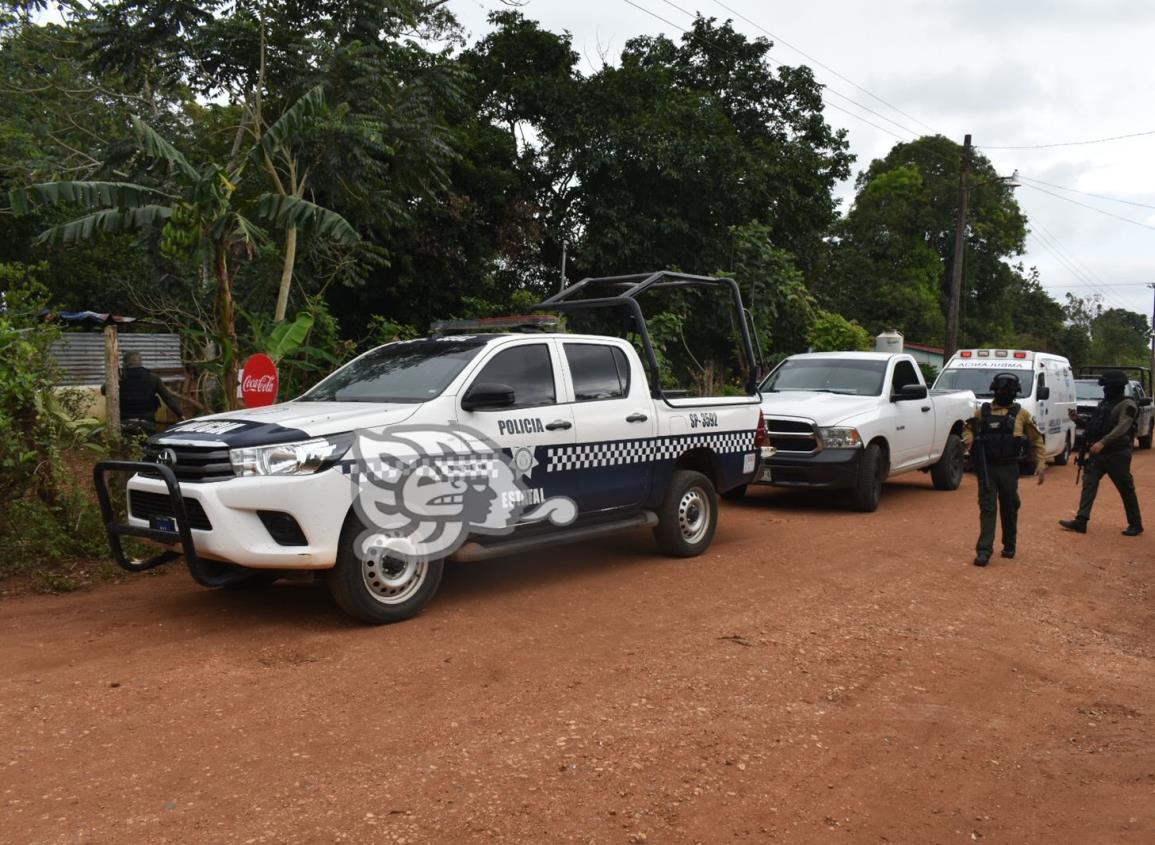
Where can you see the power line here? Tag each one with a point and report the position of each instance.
(1068, 260)
(1091, 207)
(1085, 193)
(825, 88)
(827, 68)
(1070, 143)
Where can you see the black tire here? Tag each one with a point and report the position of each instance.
(867, 489)
(947, 473)
(688, 516)
(1063, 457)
(735, 494)
(1145, 440)
(379, 592)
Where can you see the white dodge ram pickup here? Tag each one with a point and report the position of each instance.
(459, 446)
(851, 420)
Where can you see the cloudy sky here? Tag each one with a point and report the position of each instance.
(1039, 75)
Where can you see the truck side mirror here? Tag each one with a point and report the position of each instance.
(1044, 393)
(486, 396)
(1145, 402)
(909, 393)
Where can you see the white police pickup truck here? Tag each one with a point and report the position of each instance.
(851, 420)
(456, 446)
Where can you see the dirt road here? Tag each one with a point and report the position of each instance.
(821, 675)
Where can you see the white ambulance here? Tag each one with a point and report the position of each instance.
(1048, 388)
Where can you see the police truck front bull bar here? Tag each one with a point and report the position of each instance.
(180, 533)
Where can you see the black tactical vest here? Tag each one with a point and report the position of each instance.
(1101, 426)
(998, 436)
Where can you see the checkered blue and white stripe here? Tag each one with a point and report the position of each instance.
(644, 450)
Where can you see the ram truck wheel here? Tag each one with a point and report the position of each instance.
(947, 472)
(1064, 456)
(867, 489)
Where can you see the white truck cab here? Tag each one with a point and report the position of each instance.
(850, 420)
(462, 445)
(1048, 388)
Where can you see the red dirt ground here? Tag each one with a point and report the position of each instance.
(820, 675)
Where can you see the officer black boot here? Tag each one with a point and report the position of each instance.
(1008, 552)
(1132, 530)
(982, 558)
(1077, 525)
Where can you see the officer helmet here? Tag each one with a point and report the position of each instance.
(1004, 382)
(1113, 378)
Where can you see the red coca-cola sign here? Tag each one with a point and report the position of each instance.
(259, 381)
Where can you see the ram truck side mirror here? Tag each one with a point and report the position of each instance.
(488, 396)
(909, 392)
(1145, 401)
(1044, 393)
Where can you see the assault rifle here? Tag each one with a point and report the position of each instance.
(1083, 443)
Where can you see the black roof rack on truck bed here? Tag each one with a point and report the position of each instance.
(623, 292)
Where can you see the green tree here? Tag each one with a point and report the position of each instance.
(834, 333)
(1119, 336)
(891, 259)
(199, 213)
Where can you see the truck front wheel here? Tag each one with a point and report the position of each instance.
(379, 591)
(868, 486)
(947, 473)
(688, 515)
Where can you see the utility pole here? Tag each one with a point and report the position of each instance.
(956, 267)
(1151, 381)
(561, 284)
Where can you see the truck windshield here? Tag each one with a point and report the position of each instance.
(978, 379)
(406, 371)
(827, 375)
(1088, 391)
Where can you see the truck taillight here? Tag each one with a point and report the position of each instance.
(760, 432)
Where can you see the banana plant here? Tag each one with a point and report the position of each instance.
(199, 212)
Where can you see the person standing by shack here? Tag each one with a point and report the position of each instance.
(1000, 436)
(1108, 452)
(141, 392)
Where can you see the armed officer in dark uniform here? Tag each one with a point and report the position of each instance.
(1000, 436)
(1110, 433)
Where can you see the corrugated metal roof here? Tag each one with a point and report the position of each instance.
(80, 355)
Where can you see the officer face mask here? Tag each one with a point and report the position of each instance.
(1004, 397)
(1113, 392)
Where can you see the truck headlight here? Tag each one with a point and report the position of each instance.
(839, 438)
(304, 457)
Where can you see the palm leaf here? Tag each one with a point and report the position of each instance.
(293, 212)
(287, 337)
(106, 222)
(292, 120)
(120, 195)
(158, 148)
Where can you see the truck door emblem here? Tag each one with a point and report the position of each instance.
(421, 491)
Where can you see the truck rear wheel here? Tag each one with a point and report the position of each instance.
(867, 489)
(947, 473)
(1145, 440)
(1064, 456)
(380, 591)
(688, 515)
